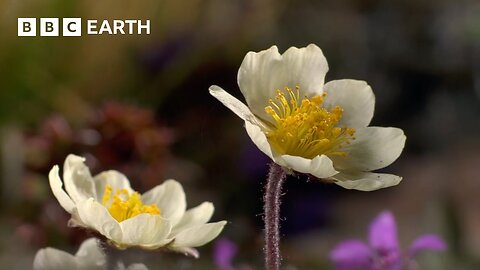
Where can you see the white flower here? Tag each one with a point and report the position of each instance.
(133, 266)
(307, 126)
(106, 203)
(88, 257)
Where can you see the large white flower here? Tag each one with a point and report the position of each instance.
(307, 126)
(88, 257)
(107, 204)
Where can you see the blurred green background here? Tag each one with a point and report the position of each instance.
(140, 104)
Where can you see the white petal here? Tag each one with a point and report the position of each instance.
(97, 217)
(305, 66)
(355, 97)
(372, 149)
(56, 186)
(259, 139)
(113, 178)
(195, 216)
(77, 178)
(137, 266)
(320, 166)
(187, 251)
(91, 252)
(255, 79)
(262, 73)
(198, 235)
(53, 259)
(235, 105)
(170, 198)
(145, 230)
(90, 255)
(75, 220)
(366, 181)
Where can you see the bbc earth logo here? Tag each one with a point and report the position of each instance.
(72, 27)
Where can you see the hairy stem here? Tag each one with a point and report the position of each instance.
(112, 255)
(271, 208)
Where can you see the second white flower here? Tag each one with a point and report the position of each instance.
(107, 204)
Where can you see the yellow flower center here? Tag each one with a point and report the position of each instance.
(124, 205)
(305, 128)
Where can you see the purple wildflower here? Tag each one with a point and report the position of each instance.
(383, 250)
(223, 254)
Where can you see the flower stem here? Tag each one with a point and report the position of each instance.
(271, 208)
(111, 255)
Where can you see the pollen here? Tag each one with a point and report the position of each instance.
(124, 205)
(304, 128)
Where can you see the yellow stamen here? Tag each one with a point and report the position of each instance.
(125, 205)
(305, 128)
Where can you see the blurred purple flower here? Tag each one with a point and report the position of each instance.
(382, 251)
(223, 254)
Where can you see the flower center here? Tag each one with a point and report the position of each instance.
(124, 205)
(305, 128)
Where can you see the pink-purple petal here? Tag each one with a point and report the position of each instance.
(427, 243)
(383, 234)
(351, 254)
(223, 253)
